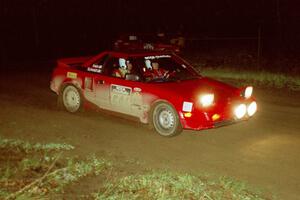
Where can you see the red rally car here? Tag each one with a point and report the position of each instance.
(158, 88)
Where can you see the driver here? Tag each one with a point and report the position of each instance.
(158, 72)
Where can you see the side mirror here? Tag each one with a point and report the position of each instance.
(132, 77)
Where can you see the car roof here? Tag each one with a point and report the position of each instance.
(138, 53)
(128, 53)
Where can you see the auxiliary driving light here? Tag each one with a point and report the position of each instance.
(240, 111)
(251, 110)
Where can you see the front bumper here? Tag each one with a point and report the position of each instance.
(228, 122)
(213, 118)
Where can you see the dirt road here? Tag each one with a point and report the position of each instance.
(263, 151)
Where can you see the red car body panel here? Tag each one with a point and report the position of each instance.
(136, 98)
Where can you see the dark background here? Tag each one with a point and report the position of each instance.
(48, 29)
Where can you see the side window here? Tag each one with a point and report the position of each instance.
(112, 66)
(101, 61)
(97, 67)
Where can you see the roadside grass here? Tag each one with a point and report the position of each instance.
(241, 68)
(163, 185)
(40, 171)
(37, 171)
(27, 147)
(256, 78)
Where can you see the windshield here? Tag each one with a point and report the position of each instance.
(165, 68)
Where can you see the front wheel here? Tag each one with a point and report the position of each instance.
(165, 120)
(70, 98)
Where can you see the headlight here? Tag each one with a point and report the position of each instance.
(251, 110)
(248, 92)
(240, 111)
(207, 99)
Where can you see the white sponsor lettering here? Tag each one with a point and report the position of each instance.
(121, 89)
(94, 70)
(97, 66)
(156, 57)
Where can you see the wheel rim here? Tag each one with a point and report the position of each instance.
(166, 119)
(71, 99)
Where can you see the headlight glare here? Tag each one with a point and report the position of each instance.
(248, 92)
(240, 111)
(207, 99)
(251, 110)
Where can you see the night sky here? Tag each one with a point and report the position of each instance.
(46, 29)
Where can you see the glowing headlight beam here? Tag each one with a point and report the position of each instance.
(240, 111)
(207, 99)
(252, 108)
(248, 92)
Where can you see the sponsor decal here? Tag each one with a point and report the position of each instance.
(88, 83)
(95, 68)
(121, 89)
(187, 106)
(89, 69)
(136, 89)
(156, 57)
(72, 75)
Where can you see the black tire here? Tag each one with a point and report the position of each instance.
(165, 120)
(70, 99)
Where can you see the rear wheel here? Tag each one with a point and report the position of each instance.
(70, 99)
(165, 120)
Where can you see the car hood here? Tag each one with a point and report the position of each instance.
(191, 89)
